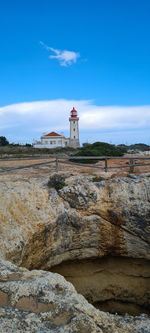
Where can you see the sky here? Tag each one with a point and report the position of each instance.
(90, 54)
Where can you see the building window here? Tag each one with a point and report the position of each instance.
(74, 129)
(74, 137)
(53, 142)
(74, 122)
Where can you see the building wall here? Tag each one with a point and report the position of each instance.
(74, 133)
(52, 142)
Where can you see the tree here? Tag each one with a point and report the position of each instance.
(3, 141)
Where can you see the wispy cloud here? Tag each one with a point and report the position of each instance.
(64, 57)
(25, 121)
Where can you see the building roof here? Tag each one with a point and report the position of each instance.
(53, 134)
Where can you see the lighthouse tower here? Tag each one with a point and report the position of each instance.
(74, 129)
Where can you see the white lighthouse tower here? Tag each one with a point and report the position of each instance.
(74, 129)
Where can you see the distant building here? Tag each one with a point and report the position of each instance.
(55, 140)
(52, 140)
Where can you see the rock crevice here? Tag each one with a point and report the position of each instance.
(96, 235)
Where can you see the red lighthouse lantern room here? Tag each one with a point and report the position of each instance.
(74, 114)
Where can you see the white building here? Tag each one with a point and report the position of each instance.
(51, 140)
(55, 140)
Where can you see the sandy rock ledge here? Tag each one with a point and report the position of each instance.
(38, 301)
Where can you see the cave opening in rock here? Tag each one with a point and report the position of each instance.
(114, 284)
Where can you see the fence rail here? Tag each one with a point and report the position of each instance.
(132, 163)
(9, 169)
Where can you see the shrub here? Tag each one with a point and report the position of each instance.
(56, 181)
(97, 179)
(98, 149)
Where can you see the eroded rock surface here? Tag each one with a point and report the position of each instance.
(41, 227)
(95, 232)
(39, 301)
(113, 284)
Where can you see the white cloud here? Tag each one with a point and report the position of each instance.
(64, 57)
(25, 121)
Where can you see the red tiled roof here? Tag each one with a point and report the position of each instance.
(52, 134)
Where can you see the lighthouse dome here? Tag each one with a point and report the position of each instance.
(73, 113)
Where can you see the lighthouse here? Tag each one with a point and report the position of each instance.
(74, 129)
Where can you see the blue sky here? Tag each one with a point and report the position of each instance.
(104, 71)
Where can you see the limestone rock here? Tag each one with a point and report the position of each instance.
(38, 301)
(96, 234)
(41, 227)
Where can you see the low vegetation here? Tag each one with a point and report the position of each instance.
(8, 149)
(98, 149)
(56, 181)
(97, 179)
(27, 150)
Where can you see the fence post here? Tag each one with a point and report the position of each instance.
(56, 164)
(106, 165)
(131, 165)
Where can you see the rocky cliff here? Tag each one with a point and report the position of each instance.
(41, 226)
(39, 301)
(92, 230)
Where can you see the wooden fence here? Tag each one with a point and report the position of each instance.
(107, 164)
(131, 162)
